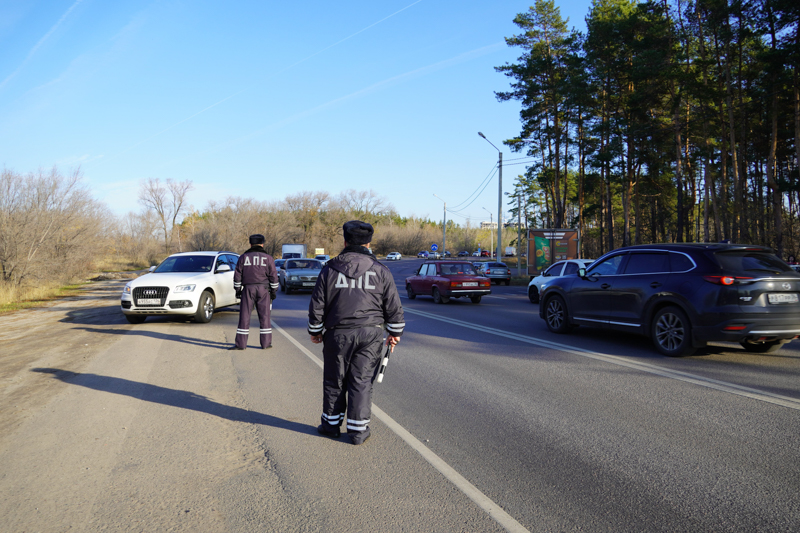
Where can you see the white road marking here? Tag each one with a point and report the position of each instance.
(470, 490)
(740, 390)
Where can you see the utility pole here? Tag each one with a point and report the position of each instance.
(500, 206)
(444, 227)
(491, 235)
(519, 236)
(499, 197)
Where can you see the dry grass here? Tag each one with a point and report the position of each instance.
(114, 263)
(14, 298)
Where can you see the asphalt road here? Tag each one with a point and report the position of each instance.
(485, 421)
(594, 431)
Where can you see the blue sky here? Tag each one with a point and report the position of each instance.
(264, 99)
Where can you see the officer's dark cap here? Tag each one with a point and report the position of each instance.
(257, 239)
(357, 232)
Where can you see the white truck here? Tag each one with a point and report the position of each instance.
(511, 251)
(293, 251)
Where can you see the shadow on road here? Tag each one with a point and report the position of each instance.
(161, 336)
(173, 398)
(110, 315)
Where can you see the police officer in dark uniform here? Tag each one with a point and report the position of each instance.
(354, 297)
(256, 282)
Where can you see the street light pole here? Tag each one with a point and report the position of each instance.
(444, 227)
(499, 197)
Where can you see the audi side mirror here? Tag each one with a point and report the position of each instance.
(223, 268)
(151, 269)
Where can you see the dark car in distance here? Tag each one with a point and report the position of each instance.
(448, 279)
(299, 274)
(682, 296)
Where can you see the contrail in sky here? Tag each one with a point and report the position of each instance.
(422, 71)
(256, 84)
(40, 43)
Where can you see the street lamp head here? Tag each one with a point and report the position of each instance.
(482, 135)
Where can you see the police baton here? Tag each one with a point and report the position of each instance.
(384, 362)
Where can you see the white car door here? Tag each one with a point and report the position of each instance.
(223, 281)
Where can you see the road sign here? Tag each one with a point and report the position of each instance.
(434, 247)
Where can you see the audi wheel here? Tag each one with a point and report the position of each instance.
(205, 308)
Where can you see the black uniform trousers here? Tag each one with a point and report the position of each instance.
(258, 295)
(351, 363)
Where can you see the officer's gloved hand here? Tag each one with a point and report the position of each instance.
(238, 294)
(273, 294)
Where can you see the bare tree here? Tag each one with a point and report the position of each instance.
(306, 206)
(50, 227)
(364, 205)
(167, 202)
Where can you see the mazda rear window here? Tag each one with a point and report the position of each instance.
(743, 261)
(680, 263)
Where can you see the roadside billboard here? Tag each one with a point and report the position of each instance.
(546, 246)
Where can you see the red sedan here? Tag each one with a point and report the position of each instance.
(448, 279)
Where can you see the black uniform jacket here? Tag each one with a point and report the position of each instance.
(355, 290)
(256, 267)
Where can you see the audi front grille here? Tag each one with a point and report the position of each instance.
(150, 293)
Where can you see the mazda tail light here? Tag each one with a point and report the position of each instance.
(725, 280)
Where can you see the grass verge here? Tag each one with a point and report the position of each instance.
(14, 298)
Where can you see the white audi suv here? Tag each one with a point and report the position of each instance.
(187, 283)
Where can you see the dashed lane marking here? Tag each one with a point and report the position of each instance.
(470, 490)
(732, 388)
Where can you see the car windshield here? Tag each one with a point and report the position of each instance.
(186, 263)
(457, 269)
(743, 261)
(310, 265)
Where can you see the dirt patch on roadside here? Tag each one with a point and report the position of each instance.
(53, 336)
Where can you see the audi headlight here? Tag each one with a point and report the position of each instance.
(127, 289)
(184, 288)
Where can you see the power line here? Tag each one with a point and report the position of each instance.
(484, 188)
(485, 180)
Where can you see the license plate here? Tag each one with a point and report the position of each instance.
(470, 284)
(783, 298)
(497, 272)
(308, 284)
(148, 301)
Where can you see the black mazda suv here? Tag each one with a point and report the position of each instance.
(682, 296)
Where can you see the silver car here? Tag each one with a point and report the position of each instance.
(299, 274)
(561, 268)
